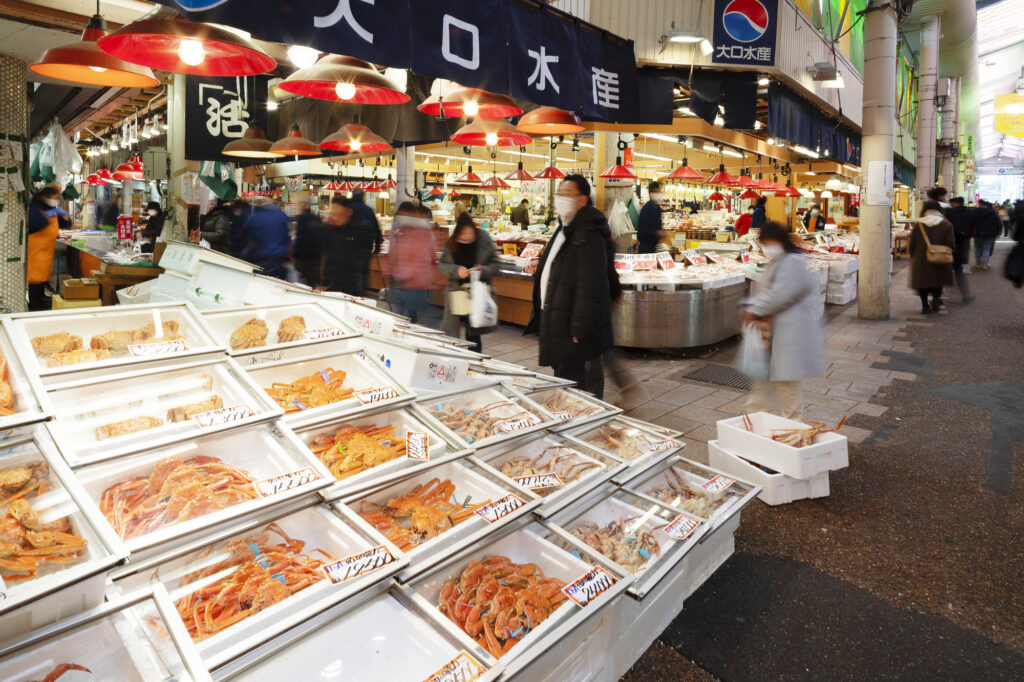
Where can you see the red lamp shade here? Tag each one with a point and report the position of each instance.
(338, 78)
(354, 137)
(618, 171)
(550, 173)
(716, 196)
(519, 175)
(494, 182)
(389, 183)
(165, 41)
(436, 192)
(750, 194)
(84, 62)
(252, 145)
(331, 186)
(490, 133)
(373, 186)
(778, 187)
(294, 144)
(453, 193)
(550, 121)
(721, 178)
(788, 191)
(105, 174)
(345, 186)
(762, 183)
(685, 173)
(469, 178)
(130, 169)
(470, 102)
(745, 181)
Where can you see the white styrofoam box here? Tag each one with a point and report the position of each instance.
(823, 277)
(706, 558)
(137, 293)
(840, 300)
(847, 286)
(841, 268)
(776, 488)
(827, 452)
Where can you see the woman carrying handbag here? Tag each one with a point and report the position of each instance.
(931, 256)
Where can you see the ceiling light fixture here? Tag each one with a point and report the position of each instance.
(252, 145)
(294, 144)
(354, 137)
(302, 56)
(338, 78)
(550, 121)
(491, 133)
(461, 102)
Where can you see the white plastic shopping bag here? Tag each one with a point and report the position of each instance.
(754, 357)
(483, 311)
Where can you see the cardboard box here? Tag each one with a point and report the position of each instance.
(78, 289)
(59, 303)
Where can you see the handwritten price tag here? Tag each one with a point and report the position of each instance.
(645, 261)
(509, 248)
(715, 258)
(538, 481)
(589, 586)
(462, 668)
(325, 333)
(666, 261)
(284, 482)
(358, 564)
(745, 256)
(416, 446)
(376, 395)
(622, 263)
(500, 508)
(682, 526)
(148, 350)
(695, 259)
(661, 445)
(563, 416)
(517, 424)
(717, 485)
(223, 415)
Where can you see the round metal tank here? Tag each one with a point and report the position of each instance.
(678, 319)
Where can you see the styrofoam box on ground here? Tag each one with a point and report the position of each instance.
(827, 452)
(842, 299)
(776, 488)
(846, 286)
(841, 268)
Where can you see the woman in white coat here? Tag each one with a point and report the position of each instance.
(787, 301)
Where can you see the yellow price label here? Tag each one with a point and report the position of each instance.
(510, 248)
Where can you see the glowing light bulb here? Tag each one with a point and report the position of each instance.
(345, 91)
(98, 69)
(471, 108)
(355, 145)
(491, 139)
(302, 56)
(191, 52)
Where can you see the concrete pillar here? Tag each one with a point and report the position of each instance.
(955, 90)
(178, 223)
(13, 234)
(604, 154)
(405, 173)
(879, 122)
(926, 132)
(947, 134)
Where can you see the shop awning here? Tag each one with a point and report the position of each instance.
(904, 172)
(797, 121)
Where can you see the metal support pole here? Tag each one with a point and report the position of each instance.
(13, 234)
(405, 173)
(879, 122)
(956, 135)
(926, 132)
(176, 153)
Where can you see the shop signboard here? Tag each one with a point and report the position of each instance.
(1009, 115)
(745, 32)
(219, 110)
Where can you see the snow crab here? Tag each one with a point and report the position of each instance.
(423, 513)
(680, 495)
(626, 541)
(318, 389)
(76, 357)
(557, 459)
(474, 423)
(798, 438)
(563, 401)
(618, 441)
(498, 602)
(176, 491)
(61, 342)
(356, 448)
(60, 670)
(185, 412)
(252, 334)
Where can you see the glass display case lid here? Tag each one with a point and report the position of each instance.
(260, 329)
(632, 443)
(575, 408)
(22, 396)
(427, 370)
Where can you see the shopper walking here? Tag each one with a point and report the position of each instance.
(962, 220)
(268, 244)
(520, 215)
(306, 248)
(744, 222)
(152, 227)
(412, 255)
(787, 304)
(216, 228)
(760, 215)
(986, 231)
(813, 220)
(469, 249)
(340, 257)
(928, 276)
(595, 367)
(369, 236)
(239, 215)
(44, 222)
(571, 304)
(648, 225)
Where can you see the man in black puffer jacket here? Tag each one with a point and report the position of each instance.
(571, 304)
(963, 220)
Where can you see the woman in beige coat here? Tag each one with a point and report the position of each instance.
(929, 278)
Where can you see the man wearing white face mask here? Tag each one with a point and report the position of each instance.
(648, 225)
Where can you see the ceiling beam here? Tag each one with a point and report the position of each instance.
(46, 17)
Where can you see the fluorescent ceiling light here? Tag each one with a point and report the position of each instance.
(764, 80)
(705, 47)
(538, 156)
(800, 149)
(730, 152)
(685, 35)
(582, 143)
(835, 83)
(650, 156)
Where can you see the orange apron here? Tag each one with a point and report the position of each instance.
(41, 246)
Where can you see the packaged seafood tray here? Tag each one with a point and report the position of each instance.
(698, 490)
(386, 638)
(129, 641)
(776, 488)
(368, 452)
(553, 467)
(157, 499)
(514, 621)
(439, 512)
(22, 397)
(426, 370)
(256, 330)
(58, 549)
(319, 386)
(574, 407)
(630, 442)
(55, 343)
(626, 534)
(242, 589)
(825, 450)
(483, 417)
(112, 416)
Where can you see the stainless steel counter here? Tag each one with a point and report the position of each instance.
(678, 319)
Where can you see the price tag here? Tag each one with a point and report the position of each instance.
(510, 248)
(325, 333)
(645, 261)
(589, 586)
(661, 445)
(717, 485)
(223, 415)
(375, 395)
(682, 526)
(715, 258)
(538, 481)
(745, 256)
(692, 256)
(358, 564)
(563, 416)
(532, 251)
(149, 350)
(666, 261)
(517, 424)
(279, 484)
(416, 446)
(622, 263)
(462, 668)
(500, 508)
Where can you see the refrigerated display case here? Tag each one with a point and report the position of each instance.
(22, 397)
(261, 329)
(630, 442)
(112, 416)
(57, 549)
(490, 370)
(575, 408)
(484, 417)
(425, 369)
(62, 342)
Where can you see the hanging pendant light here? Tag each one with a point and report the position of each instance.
(461, 102)
(338, 78)
(389, 183)
(84, 62)
(436, 192)
(685, 173)
(617, 171)
(252, 145)
(550, 173)
(550, 121)
(519, 175)
(166, 41)
(716, 196)
(490, 133)
(354, 137)
(129, 170)
(494, 182)
(750, 194)
(373, 186)
(721, 178)
(331, 186)
(834, 184)
(827, 194)
(745, 181)
(294, 144)
(345, 186)
(788, 191)
(469, 177)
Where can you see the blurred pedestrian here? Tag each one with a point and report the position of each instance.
(239, 216)
(928, 276)
(745, 221)
(986, 231)
(520, 215)
(44, 222)
(469, 249)
(648, 225)
(962, 220)
(153, 226)
(268, 244)
(306, 249)
(216, 227)
(595, 367)
(787, 305)
(412, 255)
(760, 216)
(369, 237)
(340, 250)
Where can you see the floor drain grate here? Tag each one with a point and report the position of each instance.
(723, 376)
